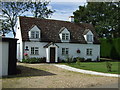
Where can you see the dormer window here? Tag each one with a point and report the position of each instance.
(88, 35)
(64, 35)
(34, 34)
(89, 38)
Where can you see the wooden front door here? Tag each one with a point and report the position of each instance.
(52, 54)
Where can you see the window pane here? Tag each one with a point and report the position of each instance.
(32, 50)
(67, 36)
(36, 52)
(63, 50)
(63, 36)
(32, 34)
(37, 34)
(89, 52)
(89, 38)
(67, 50)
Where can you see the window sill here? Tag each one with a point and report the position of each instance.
(64, 54)
(90, 42)
(88, 55)
(34, 54)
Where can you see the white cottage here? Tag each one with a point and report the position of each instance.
(55, 39)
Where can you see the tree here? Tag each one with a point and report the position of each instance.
(103, 15)
(11, 10)
(40, 9)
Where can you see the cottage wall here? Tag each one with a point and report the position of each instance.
(72, 50)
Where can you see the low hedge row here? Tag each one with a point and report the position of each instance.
(34, 60)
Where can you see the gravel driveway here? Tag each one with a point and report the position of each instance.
(49, 76)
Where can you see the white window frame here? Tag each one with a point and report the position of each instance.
(65, 51)
(89, 51)
(65, 36)
(90, 38)
(34, 50)
(35, 34)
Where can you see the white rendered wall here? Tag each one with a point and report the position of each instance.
(4, 64)
(82, 47)
(0, 63)
(72, 50)
(0, 58)
(19, 42)
(42, 51)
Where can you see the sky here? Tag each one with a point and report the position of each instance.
(63, 9)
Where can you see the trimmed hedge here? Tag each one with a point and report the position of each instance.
(110, 48)
(34, 60)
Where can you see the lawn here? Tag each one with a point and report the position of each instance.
(96, 66)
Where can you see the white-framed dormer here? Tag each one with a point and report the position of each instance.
(34, 33)
(89, 36)
(64, 35)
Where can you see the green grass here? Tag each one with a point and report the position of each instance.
(96, 66)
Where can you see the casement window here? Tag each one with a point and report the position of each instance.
(34, 50)
(35, 34)
(89, 38)
(65, 36)
(89, 52)
(65, 51)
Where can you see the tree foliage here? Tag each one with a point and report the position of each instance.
(10, 12)
(103, 15)
(40, 9)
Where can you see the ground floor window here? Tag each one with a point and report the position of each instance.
(65, 51)
(34, 50)
(89, 51)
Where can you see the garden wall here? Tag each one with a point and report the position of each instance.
(110, 48)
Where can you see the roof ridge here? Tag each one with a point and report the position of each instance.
(47, 19)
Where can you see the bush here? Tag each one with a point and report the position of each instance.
(34, 60)
(69, 59)
(78, 61)
(63, 61)
(88, 60)
(81, 59)
(109, 66)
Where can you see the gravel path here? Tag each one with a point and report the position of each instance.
(50, 76)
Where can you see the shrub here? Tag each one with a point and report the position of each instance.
(74, 60)
(88, 60)
(78, 61)
(81, 59)
(109, 66)
(34, 60)
(69, 59)
(63, 61)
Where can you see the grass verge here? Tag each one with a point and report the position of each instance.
(96, 66)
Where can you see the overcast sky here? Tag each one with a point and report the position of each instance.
(64, 9)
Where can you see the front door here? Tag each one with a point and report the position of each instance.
(52, 54)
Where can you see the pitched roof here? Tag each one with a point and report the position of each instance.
(50, 29)
(86, 31)
(51, 43)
